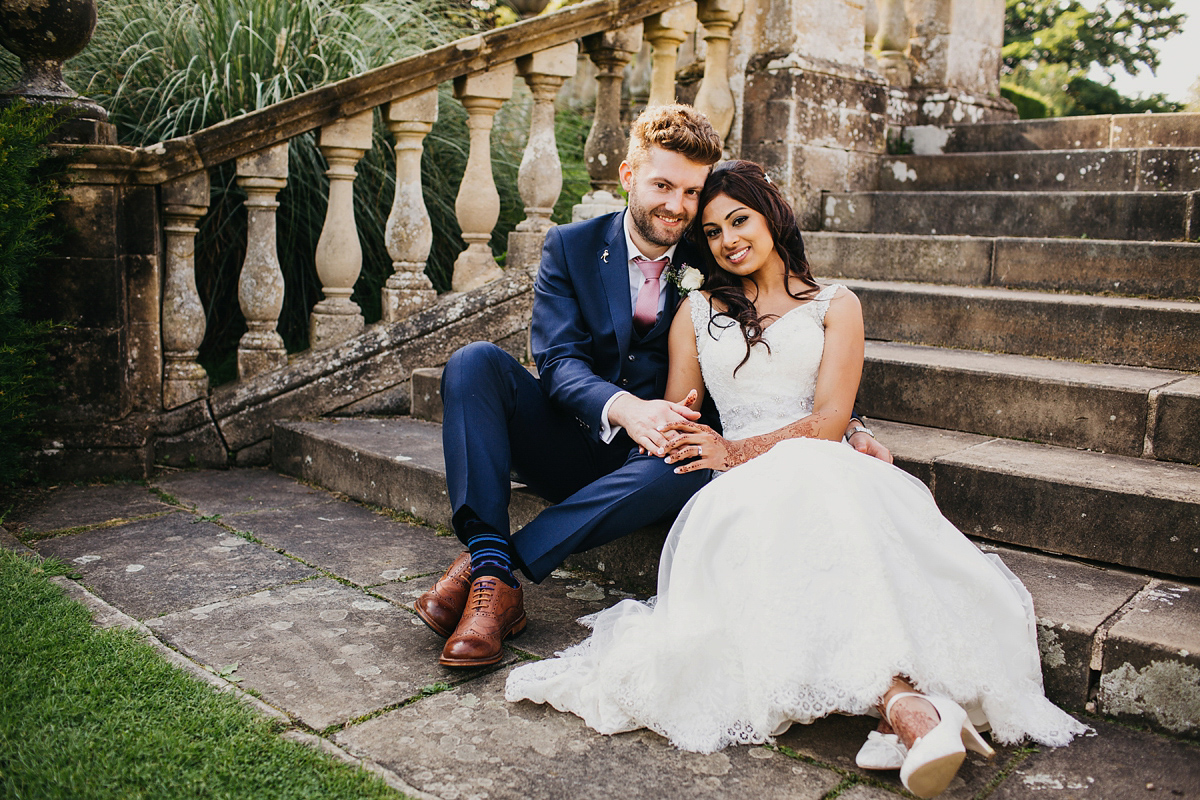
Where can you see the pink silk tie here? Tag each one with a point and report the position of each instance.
(645, 312)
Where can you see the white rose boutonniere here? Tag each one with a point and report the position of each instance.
(686, 279)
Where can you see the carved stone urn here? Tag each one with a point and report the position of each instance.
(44, 34)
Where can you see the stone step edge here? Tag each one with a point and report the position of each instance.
(1139, 430)
(1073, 652)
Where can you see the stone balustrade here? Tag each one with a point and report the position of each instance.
(343, 141)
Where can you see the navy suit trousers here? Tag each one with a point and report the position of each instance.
(498, 421)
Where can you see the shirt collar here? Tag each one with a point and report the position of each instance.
(632, 250)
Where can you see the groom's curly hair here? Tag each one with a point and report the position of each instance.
(676, 127)
(747, 183)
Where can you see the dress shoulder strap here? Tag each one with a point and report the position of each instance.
(829, 291)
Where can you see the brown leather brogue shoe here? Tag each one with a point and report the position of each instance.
(494, 612)
(442, 606)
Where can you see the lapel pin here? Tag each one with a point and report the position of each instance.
(604, 256)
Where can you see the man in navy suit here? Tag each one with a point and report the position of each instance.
(576, 434)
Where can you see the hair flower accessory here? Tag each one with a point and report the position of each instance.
(686, 279)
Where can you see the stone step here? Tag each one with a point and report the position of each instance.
(1113, 639)
(1154, 269)
(1064, 133)
(1162, 334)
(1116, 510)
(1153, 216)
(1175, 169)
(1110, 409)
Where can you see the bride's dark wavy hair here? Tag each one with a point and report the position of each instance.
(745, 182)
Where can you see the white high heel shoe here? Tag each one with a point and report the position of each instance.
(934, 759)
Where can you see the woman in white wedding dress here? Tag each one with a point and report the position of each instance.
(806, 578)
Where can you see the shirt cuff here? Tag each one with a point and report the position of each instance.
(608, 431)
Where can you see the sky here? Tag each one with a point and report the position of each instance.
(1179, 62)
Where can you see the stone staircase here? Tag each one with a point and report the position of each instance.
(1043, 385)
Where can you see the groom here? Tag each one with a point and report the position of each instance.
(603, 305)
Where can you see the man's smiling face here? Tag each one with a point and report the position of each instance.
(663, 193)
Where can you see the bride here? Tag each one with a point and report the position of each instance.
(807, 578)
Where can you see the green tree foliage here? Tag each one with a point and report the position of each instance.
(28, 190)
(1050, 46)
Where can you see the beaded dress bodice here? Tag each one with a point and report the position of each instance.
(776, 385)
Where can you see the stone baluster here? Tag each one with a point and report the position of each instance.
(540, 178)
(478, 202)
(409, 234)
(665, 32)
(715, 98)
(260, 286)
(184, 202)
(605, 147)
(339, 254)
(891, 41)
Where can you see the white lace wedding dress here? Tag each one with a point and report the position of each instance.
(798, 584)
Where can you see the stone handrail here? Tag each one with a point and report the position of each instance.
(239, 136)
(542, 50)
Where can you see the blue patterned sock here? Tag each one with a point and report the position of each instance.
(491, 553)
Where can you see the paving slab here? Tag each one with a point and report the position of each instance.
(1071, 600)
(321, 651)
(1152, 660)
(85, 506)
(835, 740)
(1176, 436)
(352, 542)
(866, 792)
(237, 491)
(470, 742)
(170, 563)
(1117, 762)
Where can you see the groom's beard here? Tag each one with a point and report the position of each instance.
(643, 222)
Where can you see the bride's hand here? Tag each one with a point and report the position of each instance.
(707, 448)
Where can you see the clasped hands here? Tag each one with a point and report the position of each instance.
(670, 431)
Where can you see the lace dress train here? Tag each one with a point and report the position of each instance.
(799, 584)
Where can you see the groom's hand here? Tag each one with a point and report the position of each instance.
(644, 420)
(865, 443)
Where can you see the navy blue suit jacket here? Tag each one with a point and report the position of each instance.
(582, 330)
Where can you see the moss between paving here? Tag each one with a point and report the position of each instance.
(86, 713)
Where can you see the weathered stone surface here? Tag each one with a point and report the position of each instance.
(555, 605)
(395, 463)
(199, 447)
(85, 506)
(892, 257)
(1097, 215)
(1114, 330)
(427, 394)
(1176, 436)
(165, 564)
(1152, 660)
(835, 740)
(1111, 509)
(378, 360)
(351, 542)
(1115, 763)
(10, 542)
(470, 741)
(254, 455)
(320, 651)
(398, 463)
(1067, 133)
(1092, 406)
(915, 450)
(1069, 171)
(1157, 269)
(238, 491)
(1071, 600)
(1155, 130)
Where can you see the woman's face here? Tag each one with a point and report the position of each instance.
(738, 236)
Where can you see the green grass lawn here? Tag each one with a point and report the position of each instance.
(86, 713)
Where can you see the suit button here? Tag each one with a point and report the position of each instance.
(623, 382)
(633, 358)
